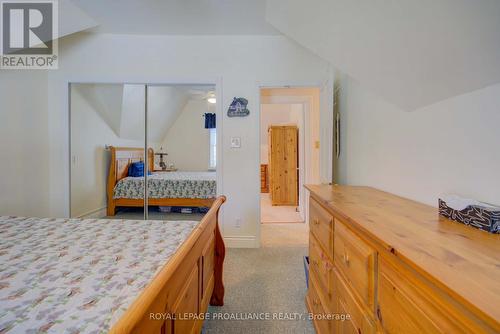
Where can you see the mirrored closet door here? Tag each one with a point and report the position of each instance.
(107, 143)
(181, 136)
(137, 146)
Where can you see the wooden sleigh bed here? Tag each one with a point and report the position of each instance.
(121, 158)
(190, 281)
(116, 276)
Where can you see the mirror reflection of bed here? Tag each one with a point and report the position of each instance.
(172, 194)
(108, 158)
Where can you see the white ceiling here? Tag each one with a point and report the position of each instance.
(179, 17)
(412, 52)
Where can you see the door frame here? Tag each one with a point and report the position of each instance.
(309, 177)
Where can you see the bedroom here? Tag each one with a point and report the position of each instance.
(408, 104)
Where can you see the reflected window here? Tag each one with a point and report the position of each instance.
(213, 149)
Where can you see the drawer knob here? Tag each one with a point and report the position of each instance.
(316, 221)
(316, 302)
(346, 259)
(379, 314)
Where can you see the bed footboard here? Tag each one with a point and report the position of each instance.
(178, 297)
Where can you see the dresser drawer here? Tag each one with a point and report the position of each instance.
(321, 225)
(419, 308)
(320, 313)
(321, 266)
(360, 320)
(356, 261)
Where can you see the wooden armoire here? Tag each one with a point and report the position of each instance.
(283, 164)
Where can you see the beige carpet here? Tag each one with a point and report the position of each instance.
(277, 214)
(284, 235)
(270, 281)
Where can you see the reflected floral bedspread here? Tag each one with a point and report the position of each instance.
(169, 185)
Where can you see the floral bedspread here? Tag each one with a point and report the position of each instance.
(78, 276)
(169, 185)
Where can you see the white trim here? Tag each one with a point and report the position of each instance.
(219, 118)
(250, 241)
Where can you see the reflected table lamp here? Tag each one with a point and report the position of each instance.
(163, 165)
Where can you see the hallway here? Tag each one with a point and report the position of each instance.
(270, 281)
(277, 214)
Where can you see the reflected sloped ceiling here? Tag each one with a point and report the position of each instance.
(122, 107)
(412, 53)
(106, 99)
(165, 103)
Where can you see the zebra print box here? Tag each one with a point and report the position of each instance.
(481, 217)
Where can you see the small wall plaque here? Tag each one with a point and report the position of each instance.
(238, 108)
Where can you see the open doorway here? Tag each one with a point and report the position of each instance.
(289, 155)
(282, 132)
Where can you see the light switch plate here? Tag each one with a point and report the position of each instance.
(235, 142)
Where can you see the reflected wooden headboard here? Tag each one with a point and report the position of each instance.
(121, 158)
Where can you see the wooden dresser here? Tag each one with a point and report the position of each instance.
(264, 180)
(392, 265)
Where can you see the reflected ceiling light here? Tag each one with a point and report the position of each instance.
(211, 99)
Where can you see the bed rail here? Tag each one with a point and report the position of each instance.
(166, 294)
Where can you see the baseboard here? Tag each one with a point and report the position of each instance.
(241, 242)
(98, 213)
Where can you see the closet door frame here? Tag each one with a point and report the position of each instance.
(214, 81)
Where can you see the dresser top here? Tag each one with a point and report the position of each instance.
(461, 260)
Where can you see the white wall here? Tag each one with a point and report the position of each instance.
(187, 141)
(448, 147)
(24, 145)
(239, 64)
(89, 158)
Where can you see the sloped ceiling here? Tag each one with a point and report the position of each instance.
(413, 53)
(179, 17)
(73, 19)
